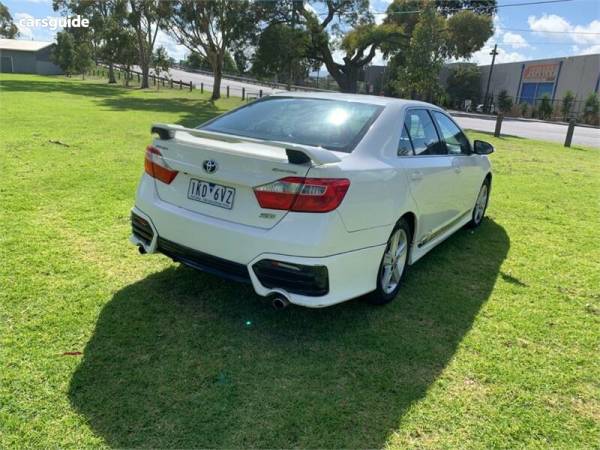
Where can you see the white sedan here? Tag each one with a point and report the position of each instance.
(312, 198)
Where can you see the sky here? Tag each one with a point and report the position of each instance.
(522, 31)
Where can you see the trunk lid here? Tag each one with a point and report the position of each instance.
(210, 169)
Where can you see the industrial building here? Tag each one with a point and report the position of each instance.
(529, 81)
(20, 56)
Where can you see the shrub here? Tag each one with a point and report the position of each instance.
(591, 109)
(524, 108)
(505, 102)
(545, 108)
(567, 104)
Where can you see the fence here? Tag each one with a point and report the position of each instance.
(102, 70)
(245, 79)
(548, 109)
(227, 90)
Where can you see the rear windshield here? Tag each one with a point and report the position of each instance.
(331, 124)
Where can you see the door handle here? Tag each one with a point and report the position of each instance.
(416, 175)
(456, 166)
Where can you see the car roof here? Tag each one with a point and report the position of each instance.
(361, 98)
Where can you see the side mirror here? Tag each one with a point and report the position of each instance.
(482, 148)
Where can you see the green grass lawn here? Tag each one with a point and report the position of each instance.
(492, 342)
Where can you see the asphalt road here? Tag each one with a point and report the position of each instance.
(235, 86)
(532, 129)
(525, 129)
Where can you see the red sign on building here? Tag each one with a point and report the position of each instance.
(540, 72)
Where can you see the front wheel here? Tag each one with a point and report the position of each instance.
(480, 204)
(393, 265)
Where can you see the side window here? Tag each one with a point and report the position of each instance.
(423, 134)
(405, 147)
(456, 141)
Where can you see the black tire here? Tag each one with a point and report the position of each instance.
(381, 296)
(477, 215)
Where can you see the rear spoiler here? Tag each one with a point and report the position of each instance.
(296, 153)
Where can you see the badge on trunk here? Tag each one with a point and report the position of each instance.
(210, 166)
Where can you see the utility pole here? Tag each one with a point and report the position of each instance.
(290, 66)
(486, 104)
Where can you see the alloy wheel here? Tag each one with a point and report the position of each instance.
(481, 204)
(394, 261)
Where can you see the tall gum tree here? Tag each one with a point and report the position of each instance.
(147, 17)
(8, 29)
(210, 28)
(107, 24)
(345, 26)
(438, 30)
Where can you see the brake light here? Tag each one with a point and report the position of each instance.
(303, 194)
(156, 167)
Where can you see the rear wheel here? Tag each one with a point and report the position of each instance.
(393, 265)
(480, 204)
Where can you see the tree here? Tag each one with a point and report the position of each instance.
(107, 27)
(464, 84)
(441, 30)
(592, 108)
(423, 60)
(127, 53)
(505, 102)
(545, 108)
(147, 17)
(8, 29)
(524, 106)
(241, 60)
(83, 58)
(64, 52)
(197, 61)
(113, 32)
(210, 28)
(160, 63)
(330, 34)
(567, 104)
(282, 52)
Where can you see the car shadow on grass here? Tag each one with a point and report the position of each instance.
(184, 359)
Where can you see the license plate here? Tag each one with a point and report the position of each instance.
(211, 193)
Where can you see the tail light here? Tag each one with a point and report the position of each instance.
(156, 167)
(302, 194)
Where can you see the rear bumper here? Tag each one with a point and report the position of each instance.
(202, 261)
(350, 275)
(315, 243)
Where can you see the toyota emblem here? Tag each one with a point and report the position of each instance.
(209, 166)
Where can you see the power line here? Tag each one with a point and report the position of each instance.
(591, 33)
(508, 5)
(475, 8)
(509, 44)
(540, 2)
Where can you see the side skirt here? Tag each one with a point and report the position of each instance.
(425, 245)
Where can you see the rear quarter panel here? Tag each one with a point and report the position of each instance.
(378, 193)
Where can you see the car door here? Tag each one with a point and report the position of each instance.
(464, 162)
(430, 173)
